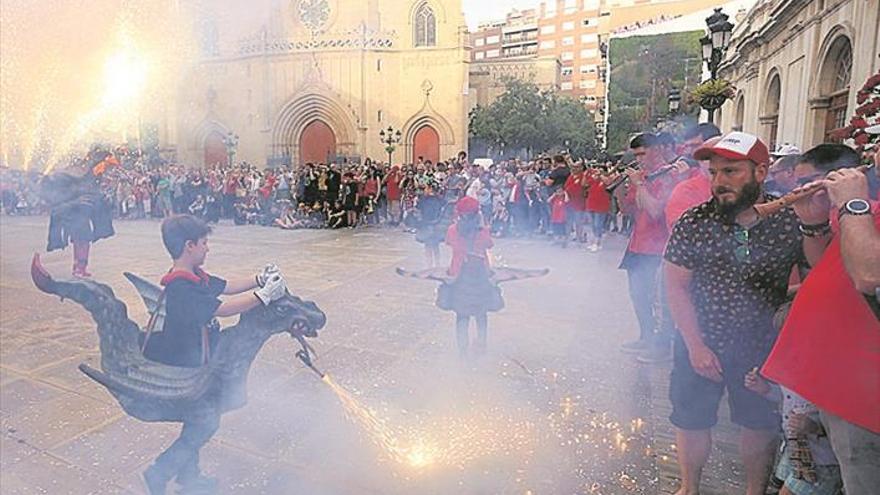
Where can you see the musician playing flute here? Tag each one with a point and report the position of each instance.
(829, 348)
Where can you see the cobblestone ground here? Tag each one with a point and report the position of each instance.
(553, 408)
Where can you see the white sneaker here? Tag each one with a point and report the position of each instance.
(593, 248)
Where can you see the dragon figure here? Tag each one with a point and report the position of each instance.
(152, 391)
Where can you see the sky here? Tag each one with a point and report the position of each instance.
(477, 11)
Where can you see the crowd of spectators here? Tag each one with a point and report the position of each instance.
(516, 196)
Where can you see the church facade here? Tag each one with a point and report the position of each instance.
(316, 80)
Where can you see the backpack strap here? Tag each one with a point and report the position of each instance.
(154, 317)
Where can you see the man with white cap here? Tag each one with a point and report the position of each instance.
(782, 179)
(726, 272)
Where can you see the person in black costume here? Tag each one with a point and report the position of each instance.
(79, 212)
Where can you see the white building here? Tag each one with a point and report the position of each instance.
(797, 65)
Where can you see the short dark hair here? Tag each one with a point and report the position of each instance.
(179, 229)
(558, 159)
(706, 130)
(643, 140)
(828, 157)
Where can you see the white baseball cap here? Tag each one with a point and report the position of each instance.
(785, 149)
(735, 146)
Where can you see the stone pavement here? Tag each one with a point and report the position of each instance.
(554, 408)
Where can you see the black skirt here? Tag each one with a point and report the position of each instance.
(472, 292)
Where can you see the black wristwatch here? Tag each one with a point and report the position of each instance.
(857, 207)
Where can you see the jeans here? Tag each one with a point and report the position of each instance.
(641, 271)
(181, 459)
(597, 224)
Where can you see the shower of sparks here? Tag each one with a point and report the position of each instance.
(76, 73)
(441, 442)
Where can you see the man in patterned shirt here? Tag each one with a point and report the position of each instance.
(726, 272)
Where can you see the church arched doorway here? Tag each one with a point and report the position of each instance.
(215, 150)
(830, 104)
(317, 143)
(426, 144)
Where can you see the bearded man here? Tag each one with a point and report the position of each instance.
(726, 273)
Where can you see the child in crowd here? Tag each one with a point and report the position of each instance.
(558, 200)
(807, 464)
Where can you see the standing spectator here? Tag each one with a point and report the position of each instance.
(558, 216)
(598, 204)
(726, 273)
(829, 348)
(575, 190)
(647, 201)
(392, 185)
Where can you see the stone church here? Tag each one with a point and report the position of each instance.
(316, 80)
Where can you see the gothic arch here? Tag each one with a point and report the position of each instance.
(200, 136)
(298, 113)
(421, 119)
(424, 25)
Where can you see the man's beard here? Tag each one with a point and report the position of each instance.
(747, 197)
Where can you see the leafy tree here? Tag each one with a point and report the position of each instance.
(524, 117)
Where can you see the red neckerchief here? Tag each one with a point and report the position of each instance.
(198, 276)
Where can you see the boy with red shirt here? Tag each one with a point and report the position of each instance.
(598, 205)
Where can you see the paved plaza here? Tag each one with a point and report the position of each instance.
(553, 408)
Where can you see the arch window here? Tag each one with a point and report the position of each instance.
(771, 118)
(425, 26)
(839, 90)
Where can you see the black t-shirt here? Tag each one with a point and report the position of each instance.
(739, 279)
(559, 175)
(189, 311)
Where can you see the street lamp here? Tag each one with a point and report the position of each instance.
(674, 101)
(713, 46)
(389, 137)
(231, 143)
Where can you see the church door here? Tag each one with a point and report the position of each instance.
(426, 144)
(215, 150)
(317, 143)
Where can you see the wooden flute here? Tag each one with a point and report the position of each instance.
(766, 209)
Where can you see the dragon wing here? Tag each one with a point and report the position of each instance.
(437, 274)
(506, 274)
(150, 293)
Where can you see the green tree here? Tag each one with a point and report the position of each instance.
(524, 117)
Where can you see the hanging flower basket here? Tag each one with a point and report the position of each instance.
(712, 94)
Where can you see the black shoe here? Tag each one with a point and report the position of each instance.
(155, 480)
(198, 485)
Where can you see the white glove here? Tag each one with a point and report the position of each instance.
(273, 290)
(267, 272)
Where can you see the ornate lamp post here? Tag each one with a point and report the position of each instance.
(674, 99)
(231, 143)
(713, 45)
(390, 137)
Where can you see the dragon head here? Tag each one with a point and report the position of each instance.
(288, 314)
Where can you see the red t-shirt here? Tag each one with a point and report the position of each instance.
(574, 186)
(829, 349)
(393, 186)
(482, 243)
(598, 198)
(557, 210)
(649, 234)
(687, 194)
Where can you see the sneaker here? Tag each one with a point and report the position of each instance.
(635, 347)
(593, 248)
(655, 355)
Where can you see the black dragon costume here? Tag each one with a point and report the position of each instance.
(79, 212)
(152, 391)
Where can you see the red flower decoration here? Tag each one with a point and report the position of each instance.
(858, 122)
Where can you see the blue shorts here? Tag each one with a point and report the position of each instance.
(695, 399)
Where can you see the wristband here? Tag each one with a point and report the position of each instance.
(815, 230)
